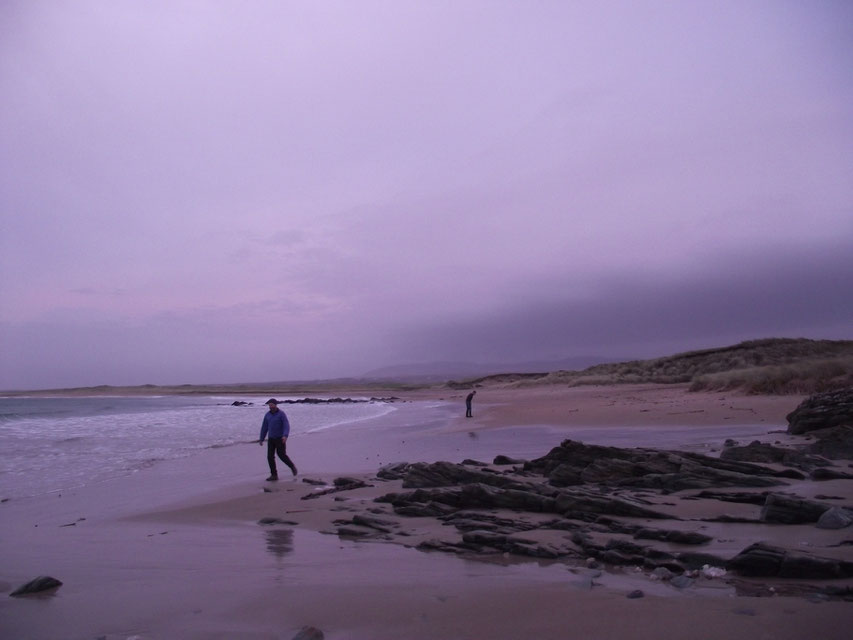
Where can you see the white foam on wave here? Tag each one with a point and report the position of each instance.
(92, 448)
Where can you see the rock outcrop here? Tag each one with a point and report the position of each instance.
(584, 503)
(763, 453)
(575, 463)
(835, 443)
(784, 509)
(767, 561)
(822, 411)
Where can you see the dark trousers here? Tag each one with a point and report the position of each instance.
(468, 410)
(277, 446)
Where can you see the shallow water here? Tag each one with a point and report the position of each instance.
(51, 444)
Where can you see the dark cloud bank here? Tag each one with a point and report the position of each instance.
(800, 294)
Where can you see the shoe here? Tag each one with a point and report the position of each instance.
(294, 471)
(272, 479)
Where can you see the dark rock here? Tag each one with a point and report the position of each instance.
(767, 453)
(380, 524)
(574, 463)
(662, 573)
(271, 520)
(394, 471)
(471, 520)
(348, 483)
(736, 496)
(791, 510)
(511, 544)
(830, 474)
(37, 585)
(835, 443)
(675, 537)
(681, 582)
(835, 518)
(482, 496)
(504, 460)
(474, 463)
(351, 531)
(429, 509)
(571, 502)
(763, 560)
(822, 411)
(693, 560)
(619, 558)
(341, 484)
(448, 474)
(316, 483)
(309, 633)
(636, 593)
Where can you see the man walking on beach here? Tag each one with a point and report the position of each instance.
(468, 400)
(276, 424)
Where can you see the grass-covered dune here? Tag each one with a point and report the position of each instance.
(769, 366)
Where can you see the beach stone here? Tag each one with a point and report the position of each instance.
(636, 593)
(835, 518)
(681, 582)
(37, 585)
(822, 411)
(791, 510)
(662, 573)
(505, 460)
(309, 633)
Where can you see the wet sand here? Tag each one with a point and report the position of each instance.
(176, 550)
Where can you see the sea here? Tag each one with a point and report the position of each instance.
(48, 444)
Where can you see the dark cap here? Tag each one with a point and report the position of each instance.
(271, 401)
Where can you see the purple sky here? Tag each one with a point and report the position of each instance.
(212, 191)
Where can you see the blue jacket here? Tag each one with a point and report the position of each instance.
(276, 424)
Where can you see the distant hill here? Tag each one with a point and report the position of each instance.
(769, 366)
(427, 372)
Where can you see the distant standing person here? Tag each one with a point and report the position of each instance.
(468, 400)
(276, 425)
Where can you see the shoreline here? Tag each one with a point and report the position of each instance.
(177, 549)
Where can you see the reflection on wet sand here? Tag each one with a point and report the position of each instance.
(280, 542)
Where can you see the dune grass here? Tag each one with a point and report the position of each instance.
(769, 366)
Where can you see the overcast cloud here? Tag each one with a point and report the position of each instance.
(197, 192)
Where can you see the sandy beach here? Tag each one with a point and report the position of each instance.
(179, 550)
